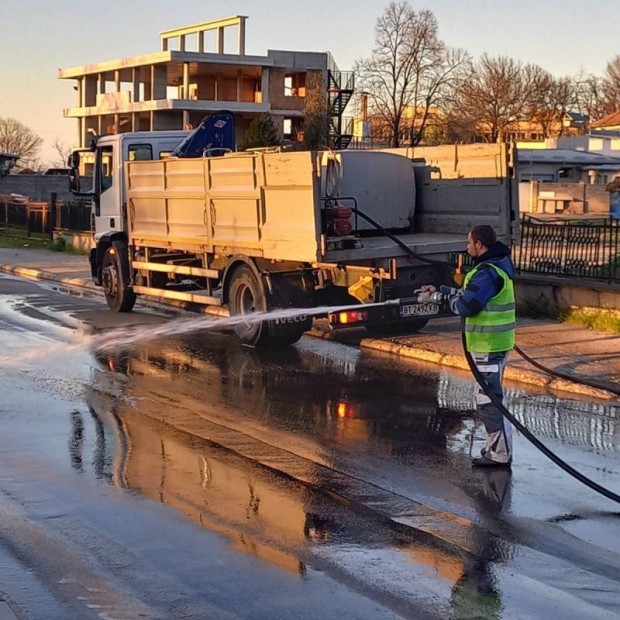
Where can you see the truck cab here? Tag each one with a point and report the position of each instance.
(109, 157)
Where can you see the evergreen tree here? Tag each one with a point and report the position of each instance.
(261, 132)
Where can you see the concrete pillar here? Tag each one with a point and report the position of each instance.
(80, 93)
(117, 122)
(148, 84)
(101, 83)
(135, 78)
(264, 85)
(220, 40)
(239, 85)
(242, 36)
(81, 141)
(182, 43)
(164, 45)
(117, 81)
(158, 81)
(216, 88)
(201, 41)
(185, 90)
(185, 119)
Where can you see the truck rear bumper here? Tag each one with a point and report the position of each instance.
(392, 311)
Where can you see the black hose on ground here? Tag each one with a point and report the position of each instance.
(528, 435)
(496, 401)
(554, 373)
(600, 385)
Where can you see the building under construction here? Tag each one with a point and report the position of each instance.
(195, 73)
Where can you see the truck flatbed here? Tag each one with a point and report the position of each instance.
(384, 247)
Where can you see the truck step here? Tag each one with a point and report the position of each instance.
(196, 297)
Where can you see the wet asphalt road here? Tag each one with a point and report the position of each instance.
(189, 477)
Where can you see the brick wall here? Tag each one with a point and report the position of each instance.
(277, 98)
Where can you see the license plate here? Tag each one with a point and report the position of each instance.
(419, 310)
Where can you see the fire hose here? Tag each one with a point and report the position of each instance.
(571, 471)
(441, 298)
(589, 382)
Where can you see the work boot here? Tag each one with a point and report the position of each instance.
(484, 461)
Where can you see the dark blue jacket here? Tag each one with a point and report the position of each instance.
(485, 283)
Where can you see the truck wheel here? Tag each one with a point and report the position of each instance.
(397, 329)
(118, 295)
(247, 295)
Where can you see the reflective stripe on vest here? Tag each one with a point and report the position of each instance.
(493, 328)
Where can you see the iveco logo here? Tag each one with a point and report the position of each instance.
(219, 124)
(291, 319)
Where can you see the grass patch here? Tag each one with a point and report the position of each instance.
(17, 239)
(602, 320)
(20, 241)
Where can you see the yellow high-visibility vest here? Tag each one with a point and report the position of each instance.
(493, 328)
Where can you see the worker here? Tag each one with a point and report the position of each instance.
(487, 302)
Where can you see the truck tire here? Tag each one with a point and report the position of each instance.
(118, 295)
(247, 295)
(397, 329)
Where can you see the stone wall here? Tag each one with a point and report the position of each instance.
(551, 296)
(563, 198)
(38, 187)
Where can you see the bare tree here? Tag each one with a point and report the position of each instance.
(550, 99)
(599, 96)
(62, 154)
(17, 139)
(589, 97)
(611, 86)
(408, 72)
(495, 95)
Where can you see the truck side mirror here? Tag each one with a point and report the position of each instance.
(74, 172)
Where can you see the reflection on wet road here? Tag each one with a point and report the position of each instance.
(324, 461)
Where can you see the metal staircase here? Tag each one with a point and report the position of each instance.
(340, 88)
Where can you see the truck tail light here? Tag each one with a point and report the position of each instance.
(349, 317)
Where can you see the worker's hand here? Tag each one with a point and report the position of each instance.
(427, 288)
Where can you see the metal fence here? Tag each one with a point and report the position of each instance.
(584, 248)
(580, 248)
(43, 217)
(73, 215)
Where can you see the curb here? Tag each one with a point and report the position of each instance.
(385, 346)
(459, 362)
(38, 274)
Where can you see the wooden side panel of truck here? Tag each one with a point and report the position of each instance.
(260, 205)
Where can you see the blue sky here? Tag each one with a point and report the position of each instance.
(40, 36)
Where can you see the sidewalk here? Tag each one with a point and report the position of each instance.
(559, 346)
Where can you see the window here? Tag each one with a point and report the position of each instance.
(288, 85)
(105, 168)
(295, 85)
(140, 152)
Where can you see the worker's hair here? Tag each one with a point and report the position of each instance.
(485, 234)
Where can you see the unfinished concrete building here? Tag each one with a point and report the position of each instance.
(196, 74)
